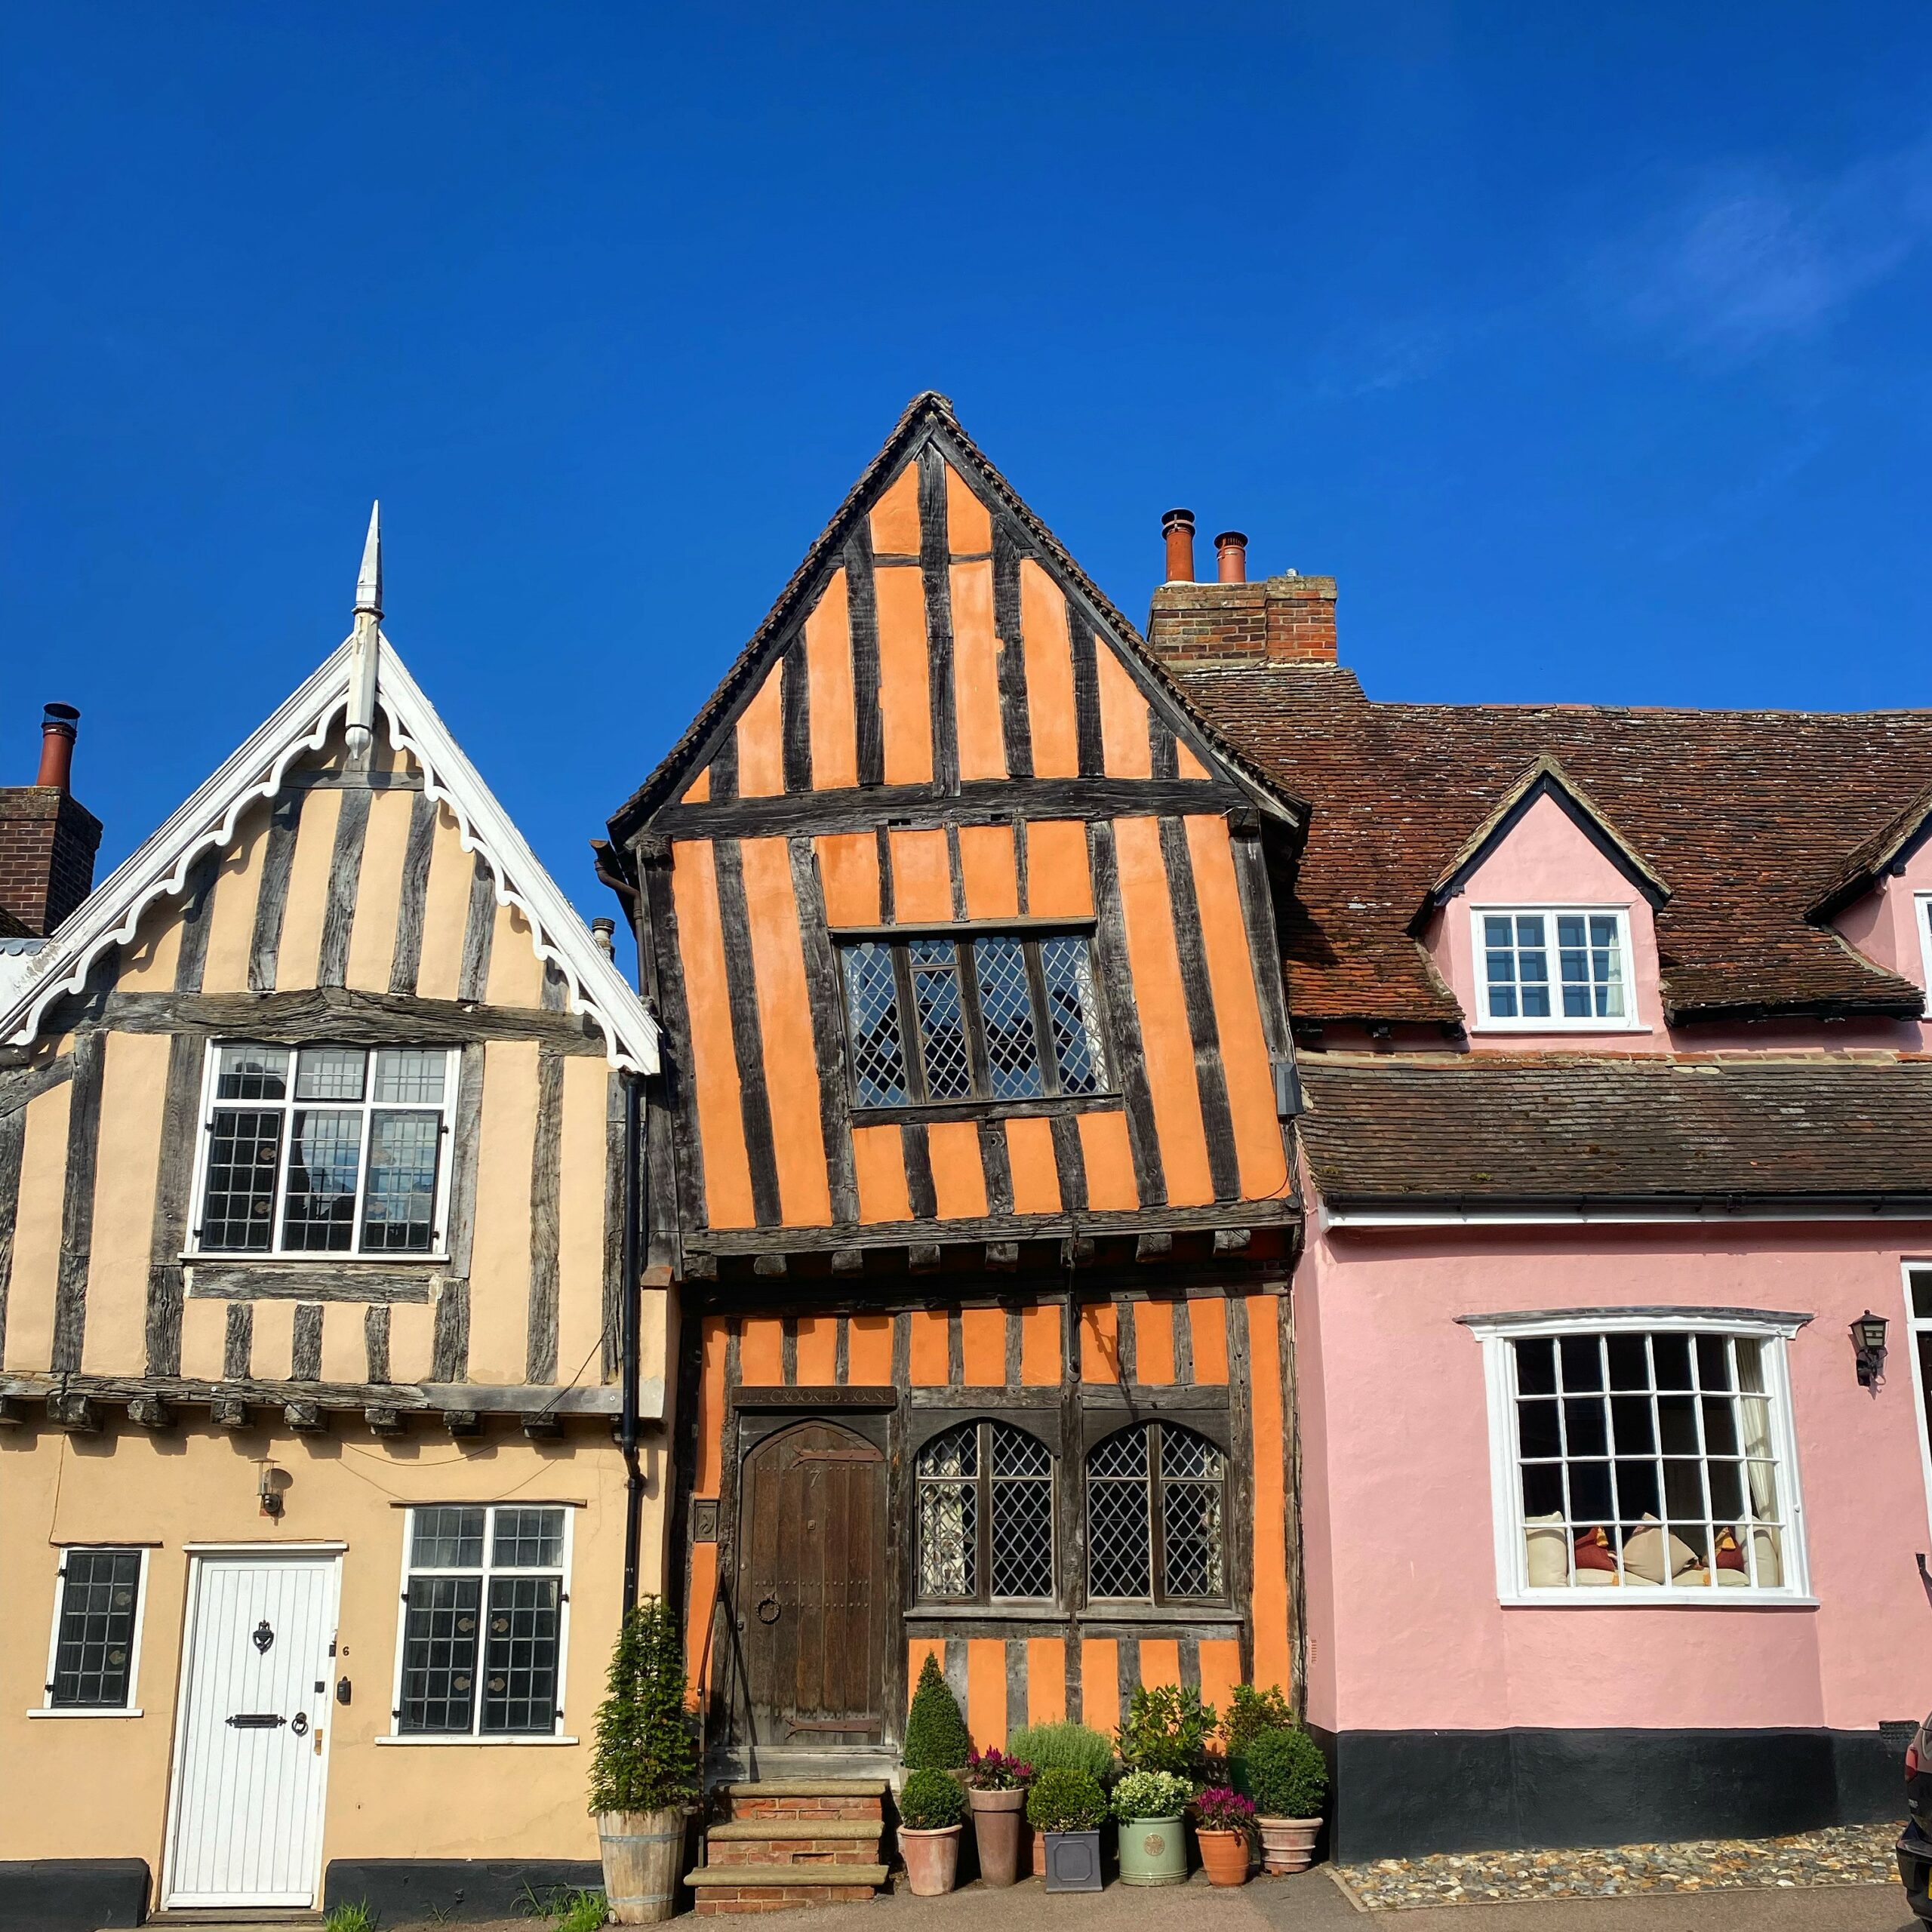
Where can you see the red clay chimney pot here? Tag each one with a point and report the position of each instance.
(1230, 557)
(57, 747)
(1177, 527)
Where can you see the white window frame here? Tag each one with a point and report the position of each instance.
(486, 1571)
(1496, 1333)
(131, 1709)
(1921, 914)
(1915, 1327)
(1627, 1021)
(437, 1251)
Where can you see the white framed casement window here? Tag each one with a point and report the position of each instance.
(1921, 919)
(1918, 1324)
(484, 1623)
(1643, 1456)
(94, 1651)
(1543, 969)
(323, 1150)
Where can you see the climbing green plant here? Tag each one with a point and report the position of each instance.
(936, 1739)
(646, 1757)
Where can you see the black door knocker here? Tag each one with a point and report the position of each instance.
(264, 1636)
(299, 1724)
(767, 1609)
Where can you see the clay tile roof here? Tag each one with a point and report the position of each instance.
(1751, 818)
(1487, 1129)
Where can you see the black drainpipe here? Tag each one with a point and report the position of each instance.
(635, 1206)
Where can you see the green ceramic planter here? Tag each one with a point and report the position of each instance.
(1153, 1851)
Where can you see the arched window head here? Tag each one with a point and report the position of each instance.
(1156, 1517)
(985, 1516)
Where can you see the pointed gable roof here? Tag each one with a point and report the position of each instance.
(257, 770)
(929, 417)
(1886, 850)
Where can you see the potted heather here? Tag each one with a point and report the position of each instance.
(996, 1789)
(935, 1735)
(1288, 1779)
(932, 1814)
(1224, 1823)
(1069, 1807)
(1065, 1745)
(1151, 1807)
(644, 1773)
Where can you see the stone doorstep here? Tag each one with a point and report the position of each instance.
(804, 1843)
(745, 1888)
(742, 1828)
(806, 1788)
(812, 1811)
(796, 1855)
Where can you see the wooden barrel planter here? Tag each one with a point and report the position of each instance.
(643, 1856)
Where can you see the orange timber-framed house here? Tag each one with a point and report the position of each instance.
(973, 1161)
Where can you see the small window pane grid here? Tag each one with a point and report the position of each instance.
(1588, 985)
(447, 1628)
(998, 1017)
(94, 1644)
(1156, 1517)
(1649, 1459)
(360, 1175)
(1918, 1303)
(985, 1516)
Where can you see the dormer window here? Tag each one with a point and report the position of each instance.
(1552, 968)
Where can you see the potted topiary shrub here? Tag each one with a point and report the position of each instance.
(936, 1739)
(1288, 1779)
(1151, 1806)
(1069, 1807)
(644, 1772)
(1166, 1729)
(1064, 1746)
(1251, 1711)
(1224, 1822)
(996, 1789)
(932, 1812)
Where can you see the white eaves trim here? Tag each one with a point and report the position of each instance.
(158, 869)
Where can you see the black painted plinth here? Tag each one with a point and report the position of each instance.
(71, 1894)
(455, 1891)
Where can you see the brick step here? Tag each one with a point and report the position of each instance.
(801, 1841)
(852, 1799)
(719, 1889)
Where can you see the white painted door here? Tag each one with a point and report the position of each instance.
(250, 1757)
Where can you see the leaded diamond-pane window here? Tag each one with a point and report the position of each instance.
(933, 1018)
(94, 1645)
(1156, 1516)
(324, 1149)
(985, 1516)
(483, 1620)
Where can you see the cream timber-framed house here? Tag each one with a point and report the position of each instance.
(334, 1412)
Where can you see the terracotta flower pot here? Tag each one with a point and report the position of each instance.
(1225, 1854)
(998, 1817)
(932, 1859)
(1288, 1844)
(1036, 1852)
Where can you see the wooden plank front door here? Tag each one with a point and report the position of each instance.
(811, 1590)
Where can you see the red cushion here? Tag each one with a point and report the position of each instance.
(1730, 1557)
(1593, 1550)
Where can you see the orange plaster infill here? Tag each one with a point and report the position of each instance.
(1099, 1342)
(869, 1351)
(976, 673)
(1154, 1341)
(1109, 1155)
(761, 739)
(697, 1617)
(931, 1356)
(1046, 1679)
(986, 1690)
(728, 1179)
(784, 1007)
(879, 1160)
(895, 517)
(761, 1351)
(990, 870)
(959, 1175)
(1059, 875)
(1040, 1346)
(829, 682)
(1124, 719)
(818, 1351)
(905, 696)
(1160, 1661)
(969, 525)
(1099, 1684)
(705, 1478)
(1187, 764)
(698, 791)
(1162, 1003)
(1029, 1154)
(1209, 1317)
(1220, 1672)
(1264, 1166)
(982, 1339)
(1272, 1662)
(1049, 674)
(848, 876)
(921, 877)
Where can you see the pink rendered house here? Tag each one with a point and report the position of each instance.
(1618, 1121)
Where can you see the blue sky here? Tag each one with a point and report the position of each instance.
(1588, 348)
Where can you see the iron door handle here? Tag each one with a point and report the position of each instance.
(774, 1606)
(299, 1724)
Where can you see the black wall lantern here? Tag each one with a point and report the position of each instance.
(1867, 1342)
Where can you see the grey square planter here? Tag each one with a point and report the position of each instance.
(1073, 1862)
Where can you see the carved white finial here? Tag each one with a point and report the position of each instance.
(366, 645)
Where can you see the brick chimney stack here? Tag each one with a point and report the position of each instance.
(47, 839)
(1232, 623)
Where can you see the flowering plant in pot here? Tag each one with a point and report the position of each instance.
(1224, 1822)
(1151, 1806)
(996, 1789)
(1069, 1806)
(932, 1810)
(1289, 1779)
